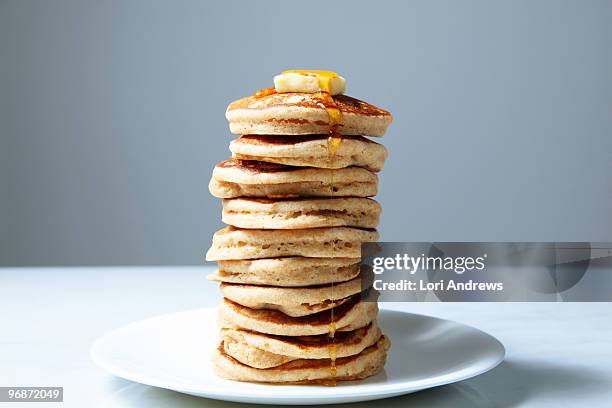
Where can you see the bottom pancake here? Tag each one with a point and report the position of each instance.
(304, 371)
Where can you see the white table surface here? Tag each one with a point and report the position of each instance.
(558, 354)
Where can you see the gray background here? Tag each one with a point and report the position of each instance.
(112, 117)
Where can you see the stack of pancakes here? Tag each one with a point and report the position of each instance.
(289, 259)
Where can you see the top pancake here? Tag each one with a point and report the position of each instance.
(302, 114)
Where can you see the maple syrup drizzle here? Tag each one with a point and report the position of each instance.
(264, 92)
(324, 100)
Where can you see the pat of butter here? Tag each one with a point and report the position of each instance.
(309, 82)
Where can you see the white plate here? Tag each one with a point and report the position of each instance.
(173, 351)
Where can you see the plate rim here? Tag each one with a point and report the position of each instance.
(325, 395)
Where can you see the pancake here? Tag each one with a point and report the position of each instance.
(365, 364)
(240, 178)
(311, 151)
(303, 114)
(264, 351)
(351, 315)
(292, 301)
(287, 272)
(335, 242)
(301, 213)
(252, 356)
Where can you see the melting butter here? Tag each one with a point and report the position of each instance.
(309, 81)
